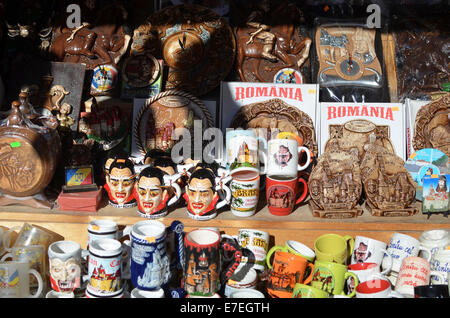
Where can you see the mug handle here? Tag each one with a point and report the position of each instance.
(262, 153)
(423, 248)
(355, 277)
(391, 261)
(177, 195)
(308, 158)
(273, 250)
(6, 256)
(351, 243)
(308, 279)
(441, 277)
(227, 198)
(7, 238)
(38, 276)
(305, 191)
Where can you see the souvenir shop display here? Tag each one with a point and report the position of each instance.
(223, 149)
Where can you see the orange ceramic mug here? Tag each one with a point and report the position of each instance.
(287, 270)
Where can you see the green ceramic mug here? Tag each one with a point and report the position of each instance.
(306, 291)
(334, 248)
(331, 277)
(293, 247)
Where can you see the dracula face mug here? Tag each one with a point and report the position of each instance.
(15, 280)
(284, 193)
(334, 248)
(368, 250)
(287, 270)
(283, 157)
(401, 246)
(65, 265)
(156, 192)
(202, 195)
(331, 277)
(120, 184)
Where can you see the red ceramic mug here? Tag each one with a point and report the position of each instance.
(283, 194)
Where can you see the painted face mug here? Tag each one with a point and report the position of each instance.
(244, 195)
(65, 266)
(15, 280)
(284, 193)
(434, 240)
(288, 269)
(376, 288)
(293, 247)
(365, 272)
(283, 158)
(401, 246)
(202, 262)
(202, 195)
(150, 263)
(306, 291)
(105, 266)
(34, 255)
(334, 248)
(414, 271)
(257, 242)
(368, 250)
(331, 277)
(119, 184)
(242, 151)
(156, 191)
(440, 262)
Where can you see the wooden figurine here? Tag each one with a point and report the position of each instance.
(335, 185)
(389, 188)
(270, 45)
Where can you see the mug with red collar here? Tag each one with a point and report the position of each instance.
(156, 192)
(202, 194)
(119, 184)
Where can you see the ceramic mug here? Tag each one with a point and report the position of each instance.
(293, 247)
(247, 293)
(244, 195)
(414, 271)
(401, 246)
(156, 191)
(440, 262)
(249, 281)
(119, 185)
(431, 291)
(434, 240)
(331, 277)
(65, 266)
(365, 272)
(202, 262)
(105, 266)
(15, 280)
(137, 293)
(91, 293)
(242, 151)
(288, 269)
(284, 193)
(257, 242)
(334, 248)
(368, 250)
(283, 157)
(105, 229)
(306, 291)
(376, 288)
(55, 294)
(34, 255)
(202, 195)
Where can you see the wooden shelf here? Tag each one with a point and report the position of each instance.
(300, 225)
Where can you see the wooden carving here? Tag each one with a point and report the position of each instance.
(335, 185)
(104, 42)
(347, 56)
(432, 126)
(389, 188)
(280, 116)
(196, 43)
(356, 134)
(269, 41)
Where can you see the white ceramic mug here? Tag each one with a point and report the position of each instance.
(55, 294)
(15, 278)
(65, 265)
(376, 288)
(283, 157)
(247, 293)
(244, 195)
(368, 250)
(435, 240)
(257, 242)
(137, 293)
(440, 262)
(415, 271)
(401, 246)
(364, 272)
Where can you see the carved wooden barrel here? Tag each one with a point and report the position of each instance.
(29, 154)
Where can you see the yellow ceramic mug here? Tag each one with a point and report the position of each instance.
(334, 248)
